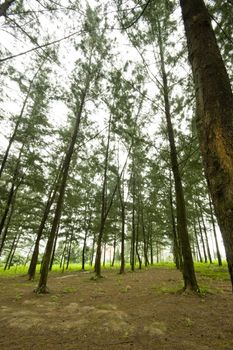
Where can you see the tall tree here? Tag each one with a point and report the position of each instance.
(214, 103)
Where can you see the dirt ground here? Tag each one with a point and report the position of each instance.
(139, 311)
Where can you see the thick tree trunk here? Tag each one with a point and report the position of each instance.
(189, 277)
(214, 115)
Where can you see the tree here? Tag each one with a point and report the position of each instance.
(86, 79)
(214, 108)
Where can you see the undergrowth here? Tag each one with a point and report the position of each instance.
(212, 271)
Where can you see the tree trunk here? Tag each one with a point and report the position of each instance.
(145, 239)
(84, 250)
(214, 101)
(51, 197)
(54, 250)
(151, 246)
(42, 286)
(104, 260)
(12, 191)
(114, 251)
(17, 124)
(189, 277)
(69, 252)
(137, 242)
(121, 196)
(12, 251)
(93, 250)
(7, 224)
(215, 234)
(197, 243)
(176, 248)
(206, 238)
(132, 251)
(103, 205)
(202, 240)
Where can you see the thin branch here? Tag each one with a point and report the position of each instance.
(40, 46)
(221, 28)
(138, 17)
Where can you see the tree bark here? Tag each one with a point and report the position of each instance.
(214, 101)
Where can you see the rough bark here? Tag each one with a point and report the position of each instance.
(214, 106)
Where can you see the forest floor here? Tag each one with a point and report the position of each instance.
(139, 311)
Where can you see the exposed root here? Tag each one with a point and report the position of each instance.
(41, 290)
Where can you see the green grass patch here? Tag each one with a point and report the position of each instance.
(69, 290)
(213, 271)
(166, 288)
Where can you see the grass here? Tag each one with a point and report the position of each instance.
(212, 271)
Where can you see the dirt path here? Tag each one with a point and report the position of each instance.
(138, 311)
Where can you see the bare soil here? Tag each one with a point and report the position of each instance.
(139, 311)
